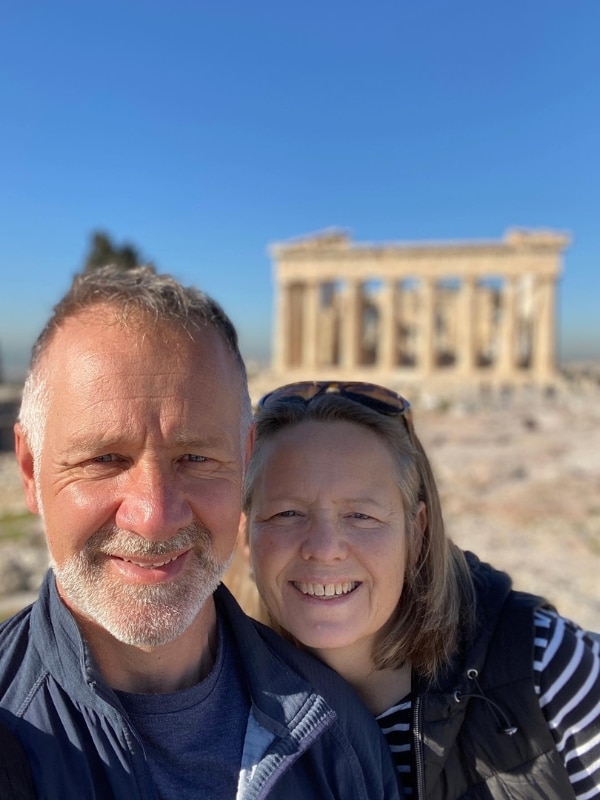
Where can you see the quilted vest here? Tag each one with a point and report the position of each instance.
(480, 733)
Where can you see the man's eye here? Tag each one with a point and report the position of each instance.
(106, 458)
(289, 513)
(195, 459)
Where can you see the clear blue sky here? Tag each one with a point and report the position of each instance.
(202, 131)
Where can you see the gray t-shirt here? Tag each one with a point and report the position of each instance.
(194, 738)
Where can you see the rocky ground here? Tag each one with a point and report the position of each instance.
(521, 487)
(520, 481)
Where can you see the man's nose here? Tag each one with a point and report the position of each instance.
(324, 541)
(153, 505)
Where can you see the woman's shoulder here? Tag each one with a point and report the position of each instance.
(567, 682)
(563, 651)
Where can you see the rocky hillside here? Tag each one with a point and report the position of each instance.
(520, 481)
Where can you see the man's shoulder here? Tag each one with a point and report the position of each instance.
(14, 631)
(270, 654)
(293, 687)
(16, 651)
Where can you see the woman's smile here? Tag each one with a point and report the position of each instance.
(326, 591)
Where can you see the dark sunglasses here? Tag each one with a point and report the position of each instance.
(377, 398)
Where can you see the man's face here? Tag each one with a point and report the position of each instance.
(139, 479)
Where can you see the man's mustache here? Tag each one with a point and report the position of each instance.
(112, 540)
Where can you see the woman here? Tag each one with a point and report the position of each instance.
(481, 692)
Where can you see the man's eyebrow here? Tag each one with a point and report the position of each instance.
(80, 445)
(85, 444)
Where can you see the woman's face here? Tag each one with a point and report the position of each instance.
(327, 534)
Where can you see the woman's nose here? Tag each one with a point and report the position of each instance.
(324, 541)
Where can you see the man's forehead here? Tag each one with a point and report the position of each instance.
(98, 328)
(126, 374)
(93, 351)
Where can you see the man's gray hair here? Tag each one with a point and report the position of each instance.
(133, 294)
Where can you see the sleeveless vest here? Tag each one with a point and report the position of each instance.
(480, 733)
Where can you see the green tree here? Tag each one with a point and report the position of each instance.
(103, 250)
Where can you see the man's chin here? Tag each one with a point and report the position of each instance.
(143, 615)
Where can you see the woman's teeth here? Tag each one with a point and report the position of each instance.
(326, 589)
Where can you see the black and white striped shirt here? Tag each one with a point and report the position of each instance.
(567, 682)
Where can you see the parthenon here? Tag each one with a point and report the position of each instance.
(466, 311)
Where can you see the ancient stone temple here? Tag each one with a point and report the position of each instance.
(461, 311)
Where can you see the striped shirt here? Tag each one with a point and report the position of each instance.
(566, 672)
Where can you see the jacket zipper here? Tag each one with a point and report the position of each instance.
(418, 745)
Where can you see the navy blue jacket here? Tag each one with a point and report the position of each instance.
(301, 742)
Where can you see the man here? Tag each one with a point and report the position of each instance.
(133, 675)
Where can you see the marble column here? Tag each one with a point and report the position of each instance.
(310, 332)
(350, 335)
(506, 357)
(543, 341)
(465, 356)
(387, 344)
(426, 326)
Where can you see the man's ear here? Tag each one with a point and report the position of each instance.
(26, 468)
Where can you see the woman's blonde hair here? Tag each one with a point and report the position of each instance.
(437, 594)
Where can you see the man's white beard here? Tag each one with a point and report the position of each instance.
(145, 614)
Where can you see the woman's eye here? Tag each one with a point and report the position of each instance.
(361, 520)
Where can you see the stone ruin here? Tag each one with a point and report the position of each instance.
(461, 311)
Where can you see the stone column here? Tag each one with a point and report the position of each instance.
(543, 341)
(426, 326)
(350, 334)
(465, 356)
(387, 345)
(506, 357)
(283, 333)
(310, 333)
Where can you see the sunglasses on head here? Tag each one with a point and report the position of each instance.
(377, 398)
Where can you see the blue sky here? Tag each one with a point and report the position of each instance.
(201, 132)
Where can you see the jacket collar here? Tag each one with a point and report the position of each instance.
(278, 675)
